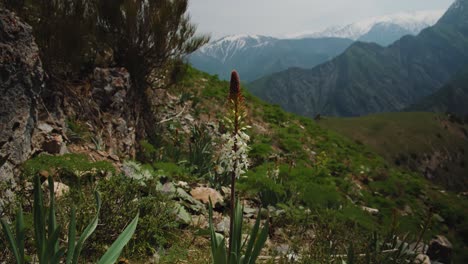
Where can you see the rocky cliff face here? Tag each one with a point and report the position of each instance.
(34, 114)
(21, 79)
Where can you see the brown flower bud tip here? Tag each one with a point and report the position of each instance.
(234, 91)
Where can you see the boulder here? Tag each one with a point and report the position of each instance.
(21, 80)
(440, 250)
(60, 189)
(204, 194)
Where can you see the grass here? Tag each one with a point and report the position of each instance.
(414, 141)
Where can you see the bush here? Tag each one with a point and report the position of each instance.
(127, 196)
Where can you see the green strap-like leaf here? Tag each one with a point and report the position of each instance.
(39, 220)
(259, 244)
(113, 253)
(58, 255)
(253, 237)
(11, 240)
(51, 242)
(20, 233)
(237, 234)
(52, 221)
(71, 236)
(88, 230)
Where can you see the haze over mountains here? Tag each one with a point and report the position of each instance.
(256, 56)
(368, 78)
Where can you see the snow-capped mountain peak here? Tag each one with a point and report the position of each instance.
(226, 47)
(413, 22)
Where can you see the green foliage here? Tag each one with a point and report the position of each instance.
(47, 236)
(146, 35)
(259, 182)
(240, 253)
(141, 35)
(201, 151)
(68, 165)
(148, 153)
(172, 170)
(157, 221)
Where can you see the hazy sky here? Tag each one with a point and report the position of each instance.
(281, 17)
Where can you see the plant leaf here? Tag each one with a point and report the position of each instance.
(39, 220)
(253, 237)
(11, 240)
(259, 244)
(113, 253)
(88, 230)
(20, 233)
(71, 236)
(52, 219)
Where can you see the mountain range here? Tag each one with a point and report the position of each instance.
(255, 56)
(382, 30)
(368, 78)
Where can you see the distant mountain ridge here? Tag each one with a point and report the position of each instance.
(255, 56)
(451, 98)
(368, 78)
(406, 23)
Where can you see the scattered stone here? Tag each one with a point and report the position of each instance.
(372, 211)
(199, 221)
(223, 225)
(250, 212)
(181, 214)
(168, 188)
(44, 173)
(60, 189)
(282, 249)
(182, 184)
(440, 249)
(45, 128)
(53, 144)
(114, 157)
(204, 194)
(422, 259)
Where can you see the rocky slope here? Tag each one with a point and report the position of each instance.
(368, 78)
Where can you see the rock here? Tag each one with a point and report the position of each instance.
(181, 214)
(249, 212)
(45, 128)
(422, 259)
(53, 144)
(440, 249)
(60, 189)
(199, 221)
(111, 87)
(204, 194)
(21, 79)
(282, 249)
(191, 203)
(372, 211)
(223, 225)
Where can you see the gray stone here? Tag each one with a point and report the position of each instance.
(21, 79)
(440, 249)
(223, 225)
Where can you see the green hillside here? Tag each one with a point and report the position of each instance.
(368, 78)
(326, 172)
(433, 145)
